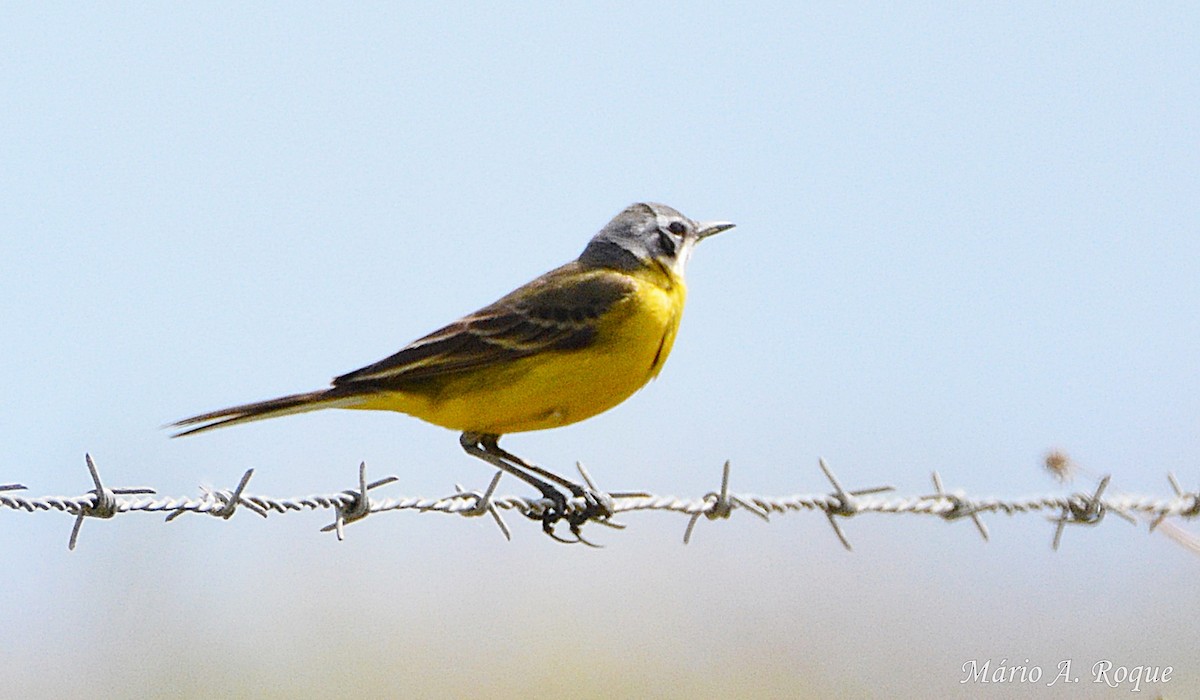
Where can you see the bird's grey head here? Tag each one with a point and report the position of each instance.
(645, 234)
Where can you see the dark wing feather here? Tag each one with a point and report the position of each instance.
(554, 312)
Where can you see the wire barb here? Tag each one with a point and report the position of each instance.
(604, 499)
(1086, 509)
(484, 504)
(842, 502)
(1180, 494)
(960, 508)
(719, 505)
(103, 505)
(359, 504)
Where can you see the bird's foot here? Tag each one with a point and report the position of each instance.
(552, 514)
(597, 506)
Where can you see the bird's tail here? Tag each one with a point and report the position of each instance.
(282, 406)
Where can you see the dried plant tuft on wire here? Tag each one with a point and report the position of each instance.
(1060, 466)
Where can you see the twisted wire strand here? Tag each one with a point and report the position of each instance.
(355, 504)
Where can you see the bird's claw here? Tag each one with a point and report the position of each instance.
(596, 506)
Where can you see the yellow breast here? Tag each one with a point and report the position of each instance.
(555, 388)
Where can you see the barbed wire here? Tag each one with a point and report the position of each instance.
(353, 505)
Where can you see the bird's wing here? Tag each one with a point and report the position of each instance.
(555, 312)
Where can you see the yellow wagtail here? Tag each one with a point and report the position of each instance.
(570, 344)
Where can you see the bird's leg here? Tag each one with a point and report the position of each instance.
(575, 489)
(595, 504)
(483, 446)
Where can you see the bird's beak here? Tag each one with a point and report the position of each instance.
(704, 229)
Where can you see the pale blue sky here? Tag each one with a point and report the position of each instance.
(967, 234)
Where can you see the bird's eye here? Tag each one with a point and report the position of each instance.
(677, 227)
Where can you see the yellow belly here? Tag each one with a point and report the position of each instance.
(560, 387)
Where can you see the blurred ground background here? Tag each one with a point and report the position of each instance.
(967, 235)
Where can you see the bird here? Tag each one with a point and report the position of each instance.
(562, 348)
